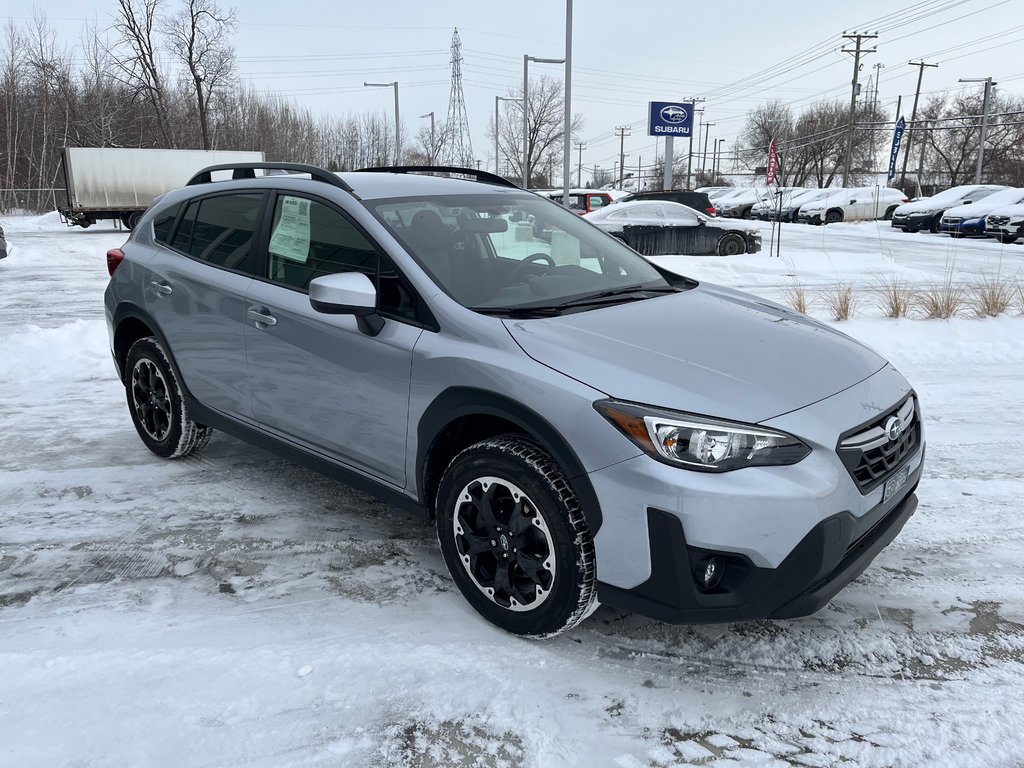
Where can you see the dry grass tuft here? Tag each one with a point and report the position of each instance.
(840, 300)
(893, 296)
(992, 297)
(796, 297)
(1019, 286)
(942, 301)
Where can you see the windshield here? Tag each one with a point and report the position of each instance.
(507, 251)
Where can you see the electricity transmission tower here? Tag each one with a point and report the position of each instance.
(458, 149)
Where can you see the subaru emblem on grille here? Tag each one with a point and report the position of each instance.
(894, 428)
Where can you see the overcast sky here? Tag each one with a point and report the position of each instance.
(735, 53)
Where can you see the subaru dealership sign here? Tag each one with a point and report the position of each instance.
(669, 118)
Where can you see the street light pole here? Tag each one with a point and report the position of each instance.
(984, 120)
(526, 112)
(432, 144)
(398, 122)
(704, 156)
(567, 125)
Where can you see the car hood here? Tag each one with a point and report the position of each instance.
(709, 350)
(926, 204)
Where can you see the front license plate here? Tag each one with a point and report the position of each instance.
(894, 483)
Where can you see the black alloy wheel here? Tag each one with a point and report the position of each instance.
(156, 404)
(514, 537)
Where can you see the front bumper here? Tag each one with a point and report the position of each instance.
(834, 553)
(913, 221)
(771, 525)
(809, 218)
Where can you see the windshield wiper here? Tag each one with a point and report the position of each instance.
(519, 312)
(623, 293)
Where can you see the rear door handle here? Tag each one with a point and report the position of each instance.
(162, 289)
(262, 319)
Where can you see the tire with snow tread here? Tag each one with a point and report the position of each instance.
(514, 464)
(156, 404)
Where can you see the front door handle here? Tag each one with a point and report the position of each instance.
(263, 319)
(163, 289)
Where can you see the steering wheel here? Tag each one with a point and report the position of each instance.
(533, 258)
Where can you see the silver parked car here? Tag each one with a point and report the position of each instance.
(579, 424)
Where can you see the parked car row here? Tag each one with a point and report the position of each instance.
(971, 210)
(810, 206)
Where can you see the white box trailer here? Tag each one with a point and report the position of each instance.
(112, 183)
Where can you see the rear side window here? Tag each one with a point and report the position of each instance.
(220, 230)
(163, 224)
(223, 230)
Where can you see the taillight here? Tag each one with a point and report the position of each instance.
(114, 258)
(711, 210)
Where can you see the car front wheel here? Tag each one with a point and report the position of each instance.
(514, 537)
(156, 404)
(731, 245)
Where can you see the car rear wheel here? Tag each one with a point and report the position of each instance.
(890, 212)
(514, 537)
(156, 404)
(732, 245)
(933, 225)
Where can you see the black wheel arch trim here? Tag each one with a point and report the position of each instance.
(457, 402)
(132, 311)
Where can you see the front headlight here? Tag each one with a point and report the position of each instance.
(699, 442)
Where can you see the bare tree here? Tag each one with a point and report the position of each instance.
(545, 114)
(137, 60)
(199, 37)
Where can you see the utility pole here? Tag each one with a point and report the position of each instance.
(621, 130)
(878, 75)
(984, 120)
(858, 39)
(580, 145)
(913, 116)
(689, 156)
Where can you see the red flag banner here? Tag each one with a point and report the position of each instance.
(773, 163)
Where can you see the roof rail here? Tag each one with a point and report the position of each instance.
(481, 176)
(248, 171)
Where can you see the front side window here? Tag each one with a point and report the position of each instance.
(507, 251)
(309, 239)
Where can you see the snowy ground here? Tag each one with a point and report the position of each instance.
(235, 610)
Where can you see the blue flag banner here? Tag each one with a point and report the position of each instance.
(897, 137)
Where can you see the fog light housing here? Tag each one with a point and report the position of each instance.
(709, 574)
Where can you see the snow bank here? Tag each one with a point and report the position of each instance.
(78, 351)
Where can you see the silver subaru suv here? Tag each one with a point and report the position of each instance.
(581, 425)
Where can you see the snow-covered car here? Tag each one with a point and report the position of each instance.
(657, 227)
(1006, 224)
(791, 209)
(852, 204)
(969, 219)
(926, 212)
(738, 204)
(770, 207)
(3, 244)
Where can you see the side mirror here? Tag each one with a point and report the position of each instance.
(853, 201)
(347, 293)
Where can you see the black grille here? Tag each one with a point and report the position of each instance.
(998, 221)
(870, 467)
